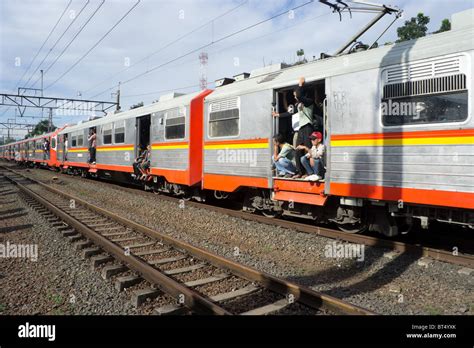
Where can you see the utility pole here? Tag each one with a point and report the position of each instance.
(203, 58)
(118, 98)
(42, 75)
(50, 120)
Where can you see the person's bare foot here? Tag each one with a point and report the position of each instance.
(296, 176)
(304, 176)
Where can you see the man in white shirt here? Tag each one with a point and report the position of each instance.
(313, 160)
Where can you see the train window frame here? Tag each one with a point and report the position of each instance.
(122, 124)
(80, 140)
(108, 127)
(73, 140)
(181, 113)
(422, 99)
(239, 128)
(455, 82)
(53, 142)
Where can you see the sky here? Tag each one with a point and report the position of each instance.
(157, 32)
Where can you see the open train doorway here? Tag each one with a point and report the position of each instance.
(143, 133)
(287, 106)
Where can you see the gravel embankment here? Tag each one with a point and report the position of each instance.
(388, 286)
(58, 282)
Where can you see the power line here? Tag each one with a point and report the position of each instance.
(95, 45)
(168, 45)
(70, 24)
(226, 49)
(50, 50)
(206, 45)
(44, 43)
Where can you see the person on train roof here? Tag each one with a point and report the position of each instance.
(305, 114)
(283, 157)
(313, 160)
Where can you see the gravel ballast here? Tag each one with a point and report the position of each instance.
(387, 285)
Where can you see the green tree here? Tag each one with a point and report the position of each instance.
(40, 128)
(445, 26)
(414, 28)
(139, 105)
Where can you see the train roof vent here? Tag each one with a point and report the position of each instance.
(225, 104)
(224, 81)
(268, 69)
(241, 76)
(423, 70)
(269, 77)
(170, 96)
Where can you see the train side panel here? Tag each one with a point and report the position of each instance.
(427, 161)
(237, 144)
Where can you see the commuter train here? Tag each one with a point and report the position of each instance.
(398, 129)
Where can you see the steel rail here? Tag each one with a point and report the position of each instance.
(302, 294)
(192, 300)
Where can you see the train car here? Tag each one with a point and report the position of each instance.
(31, 151)
(383, 170)
(398, 130)
(37, 155)
(172, 127)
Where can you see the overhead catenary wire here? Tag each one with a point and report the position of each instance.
(206, 45)
(57, 41)
(167, 45)
(53, 47)
(95, 45)
(44, 43)
(226, 49)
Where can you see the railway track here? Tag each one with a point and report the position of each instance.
(188, 275)
(458, 258)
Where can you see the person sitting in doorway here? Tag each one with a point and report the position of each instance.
(305, 106)
(313, 160)
(137, 163)
(283, 157)
(92, 146)
(145, 164)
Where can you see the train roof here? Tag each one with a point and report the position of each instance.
(141, 111)
(458, 39)
(30, 139)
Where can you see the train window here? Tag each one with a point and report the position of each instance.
(73, 141)
(80, 140)
(434, 100)
(175, 123)
(107, 134)
(224, 118)
(53, 143)
(119, 132)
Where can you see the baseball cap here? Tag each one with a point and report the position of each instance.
(316, 135)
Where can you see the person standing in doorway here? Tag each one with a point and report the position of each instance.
(92, 146)
(305, 106)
